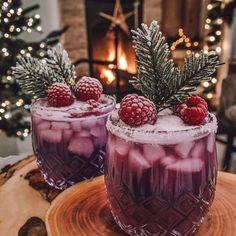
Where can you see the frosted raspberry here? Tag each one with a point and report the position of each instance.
(59, 95)
(88, 88)
(193, 110)
(137, 110)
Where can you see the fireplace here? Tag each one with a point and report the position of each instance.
(111, 57)
(81, 40)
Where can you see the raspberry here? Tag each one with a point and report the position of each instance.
(59, 95)
(193, 110)
(88, 88)
(137, 110)
(93, 103)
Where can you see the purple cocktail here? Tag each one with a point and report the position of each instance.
(69, 142)
(160, 178)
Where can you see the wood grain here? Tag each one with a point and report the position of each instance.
(18, 200)
(83, 210)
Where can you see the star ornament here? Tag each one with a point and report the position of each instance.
(119, 18)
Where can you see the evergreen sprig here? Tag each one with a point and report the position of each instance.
(158, 78)
(59, 61)
(35, 76)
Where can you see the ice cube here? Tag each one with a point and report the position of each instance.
(82, 133)
(211, 143)
(89, 123)
(60, 125)
(198, 150)
(76, 125)
(45, 125)
(121, 146)
(168, 160)
(96, 131)
(187, 165)
(137, 161)
(81, 146)
(183, 149)
(101, 121)
(67, 135)
(51, 136)
(153, 153)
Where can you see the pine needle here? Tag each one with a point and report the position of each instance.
(158, 78)
(35, 76)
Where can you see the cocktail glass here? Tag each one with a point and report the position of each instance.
(69, 142)
(160, 180)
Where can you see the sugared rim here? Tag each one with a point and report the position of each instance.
(64, 113)
(152, 135)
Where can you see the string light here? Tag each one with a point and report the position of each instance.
(208, 20)
(19, 11)
(12, 11)
(219, 21)
(218, 49)
(209, 7)
(42, 45)
(6, 35)
(29, 30)
(218, 32)
(30, 48)
(5, 4)
(207, 26)
(183, 39)
(39, 28)
(4, 50)
(22, 51)
(20, 102)
(18, 30)
(210, 95)
(212, 38)
(37, 16)
(7, 116)
(12, 27)
(214, 80)
(206, 84)
(6, 20)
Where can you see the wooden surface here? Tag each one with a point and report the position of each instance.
(24, 199)
(18, 201)
(83, 210)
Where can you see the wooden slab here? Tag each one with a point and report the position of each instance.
(24, 199)
(83, 210)
(19, 202)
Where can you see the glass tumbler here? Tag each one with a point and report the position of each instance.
(69, 142)
(160, 181)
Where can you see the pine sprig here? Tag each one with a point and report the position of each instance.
(35, 76)
(158, 78)
(59, 61)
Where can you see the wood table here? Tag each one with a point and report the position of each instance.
(26, 204)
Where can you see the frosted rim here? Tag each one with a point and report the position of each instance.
(63, 113)
(150, 134)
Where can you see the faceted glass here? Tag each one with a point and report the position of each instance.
(69, 148)
(160, 182)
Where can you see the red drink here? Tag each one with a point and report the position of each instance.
(160, 179)
(70, 141)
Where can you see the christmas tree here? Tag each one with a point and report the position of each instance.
(14, 104)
